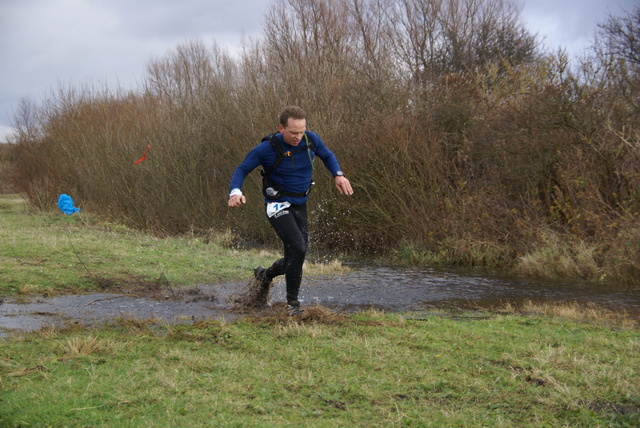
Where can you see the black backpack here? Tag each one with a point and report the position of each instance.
(270, 189)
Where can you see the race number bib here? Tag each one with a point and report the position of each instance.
(277, 208)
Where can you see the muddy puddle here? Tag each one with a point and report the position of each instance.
(389, 289)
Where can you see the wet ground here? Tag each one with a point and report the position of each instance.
(384, 288)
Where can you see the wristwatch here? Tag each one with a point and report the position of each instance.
(339, 174)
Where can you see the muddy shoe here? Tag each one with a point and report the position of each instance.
(264, 285)
(260, 273)
(293, 309)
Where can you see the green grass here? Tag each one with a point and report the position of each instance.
(54, 253)
(369, 369)
(537, 366)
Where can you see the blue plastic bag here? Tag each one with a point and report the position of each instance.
(65, 203)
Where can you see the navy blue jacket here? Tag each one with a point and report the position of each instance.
(294, 173)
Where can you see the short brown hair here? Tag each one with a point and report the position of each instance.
(294, 112)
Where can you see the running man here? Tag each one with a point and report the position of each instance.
(287, 161)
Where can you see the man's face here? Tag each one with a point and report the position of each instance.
(294, 131)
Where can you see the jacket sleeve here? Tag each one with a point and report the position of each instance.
(251, 162)
(328, 158)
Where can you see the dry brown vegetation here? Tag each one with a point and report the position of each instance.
(465, 142)
(7, 169)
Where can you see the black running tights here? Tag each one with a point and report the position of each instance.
(292, 228)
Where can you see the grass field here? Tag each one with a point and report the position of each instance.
(531, 367)
(52, 253)
(368, 369)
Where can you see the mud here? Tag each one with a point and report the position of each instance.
(383, 288)
(255, 295)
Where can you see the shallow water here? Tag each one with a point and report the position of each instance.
(399, 289)
(390, 289)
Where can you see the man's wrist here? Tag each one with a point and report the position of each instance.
(235, 192)
(339, 174)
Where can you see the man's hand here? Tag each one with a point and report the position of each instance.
(343, 185)
(237, 200)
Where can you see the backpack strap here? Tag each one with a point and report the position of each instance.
(310, 143)
(275, 143)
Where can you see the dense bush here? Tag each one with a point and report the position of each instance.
(464, 142)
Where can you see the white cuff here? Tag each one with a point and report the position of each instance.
(235, 192)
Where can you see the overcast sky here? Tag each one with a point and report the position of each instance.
(44, 43)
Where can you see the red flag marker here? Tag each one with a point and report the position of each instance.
(144, 155)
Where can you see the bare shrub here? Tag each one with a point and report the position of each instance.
(460, 138)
